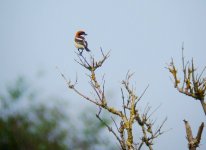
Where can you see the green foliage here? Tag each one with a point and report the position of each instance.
(93, 132)
(16, 91)
(38, 127)
(15, 134)
(20, 132)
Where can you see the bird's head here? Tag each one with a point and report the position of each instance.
(80, 33)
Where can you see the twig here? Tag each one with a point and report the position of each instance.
(123, 101)
(111, 130)
(193, 85)
(142, 95)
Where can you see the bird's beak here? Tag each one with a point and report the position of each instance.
(85, 34)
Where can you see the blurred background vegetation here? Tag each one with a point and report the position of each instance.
(27, 122)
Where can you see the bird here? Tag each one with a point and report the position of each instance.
(80, 41)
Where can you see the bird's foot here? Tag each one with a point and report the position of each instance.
(80, 52)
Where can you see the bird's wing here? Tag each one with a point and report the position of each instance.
(80, 41)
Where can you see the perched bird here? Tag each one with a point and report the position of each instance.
(80, 42)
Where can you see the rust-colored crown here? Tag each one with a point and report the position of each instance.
(80, 32)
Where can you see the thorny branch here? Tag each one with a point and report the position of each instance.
(192, 85)
(128, 115)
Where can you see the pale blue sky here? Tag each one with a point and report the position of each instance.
(36, 36)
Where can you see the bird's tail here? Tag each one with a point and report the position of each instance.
(86, 48)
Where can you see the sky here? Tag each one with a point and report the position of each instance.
(38, 36)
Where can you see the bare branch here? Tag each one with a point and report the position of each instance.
(142, 95)
(123, 102)
(193, 85)
(128, 115)
(154, 111)
(199, 133)
(158, 131)
(193, 143)
(115, 124)
(112, 131)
